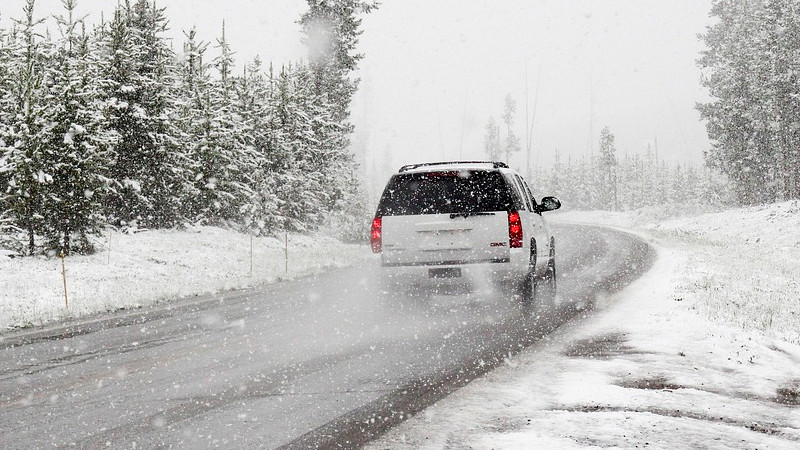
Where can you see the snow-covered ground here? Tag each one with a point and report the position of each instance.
(132, 270)
(701, 352)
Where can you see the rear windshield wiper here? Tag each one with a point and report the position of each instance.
(468, 214)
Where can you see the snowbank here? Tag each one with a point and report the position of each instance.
(701, 352)
(743, 265)
(132, 270)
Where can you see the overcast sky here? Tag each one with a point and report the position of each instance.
(434, 71)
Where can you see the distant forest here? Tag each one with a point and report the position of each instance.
(109, 126)
(606, 182)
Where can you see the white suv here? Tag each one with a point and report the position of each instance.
(469, 221)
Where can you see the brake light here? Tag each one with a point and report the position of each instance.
(375, 235)
(514, 230)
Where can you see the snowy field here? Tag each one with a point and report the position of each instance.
(134, 270)
(701, 352)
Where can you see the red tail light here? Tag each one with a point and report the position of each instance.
(375, 236)
(514, 230)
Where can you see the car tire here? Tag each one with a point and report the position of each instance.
(545, 287)
(549, 283)
(530, 284)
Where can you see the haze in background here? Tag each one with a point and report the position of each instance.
(435, 70)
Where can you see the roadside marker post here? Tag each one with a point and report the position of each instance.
(64, 277)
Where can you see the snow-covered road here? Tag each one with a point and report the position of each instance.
(316, 361)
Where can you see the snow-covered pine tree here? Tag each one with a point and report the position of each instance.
(511, 144)
(6, 107)
(749, 68)
(299, 185)
(150, 170)
(780, 47)
(330, 31)
(567, 192)
(691, 192)
(649, 183)
(254, 104)
(556, 181)
(635, 182)
(76, 142)
(239, 160)
(677, 184)
(24, 121)
(607, 171)
(327, 142)
(664, 183)
(491, 140)
(624, 177)
(213, 135)
(191, 75)
(585, 186)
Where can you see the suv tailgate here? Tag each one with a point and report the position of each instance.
(445, 239)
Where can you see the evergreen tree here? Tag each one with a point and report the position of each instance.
(556, 183)
(75, 150)
(330, 31)
(735, 124)
(649, 183)
(625, 180)
(751, 69)
(781, 47)
(512, 141)
(254, 105)
(113, 128)
(213, 137)
(6, 140)
(491, 140)
(641, 182)
(236, 161)
(676, 185)
(24, 122)
(585, 190)
(691, 192)
(607, 173)
(149, 168)
(299, 184)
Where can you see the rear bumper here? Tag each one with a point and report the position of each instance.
(477, 273)
(448, 263)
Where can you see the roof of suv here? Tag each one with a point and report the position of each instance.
(452, 165)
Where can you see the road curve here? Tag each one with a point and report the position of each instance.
(318, 362)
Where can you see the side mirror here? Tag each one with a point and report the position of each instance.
(549, 204)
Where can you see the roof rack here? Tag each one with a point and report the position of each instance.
(495, 164)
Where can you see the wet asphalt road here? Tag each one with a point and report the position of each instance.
(318, 362)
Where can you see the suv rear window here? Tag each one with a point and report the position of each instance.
(467, 191)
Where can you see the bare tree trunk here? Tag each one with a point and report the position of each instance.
(31, 243)
(66, 245)
(796, 168)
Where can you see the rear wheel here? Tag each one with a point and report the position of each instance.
(529, 285)
(549, 282)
